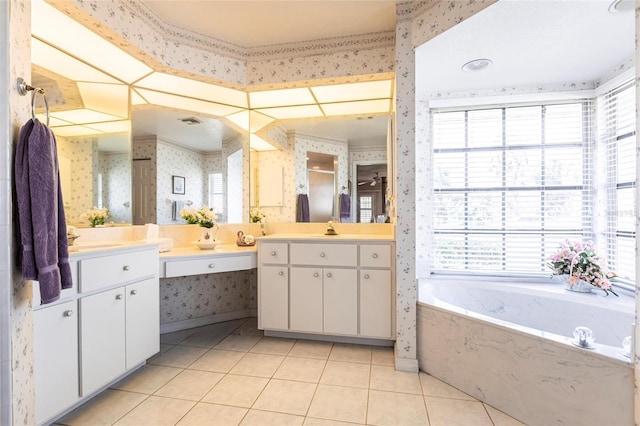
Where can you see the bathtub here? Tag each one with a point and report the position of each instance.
(511, 345)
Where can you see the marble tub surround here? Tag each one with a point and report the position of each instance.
(537, 377)
(543, 310)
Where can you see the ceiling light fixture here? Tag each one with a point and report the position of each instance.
(476, 65)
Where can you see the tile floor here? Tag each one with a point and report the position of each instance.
(230, 374)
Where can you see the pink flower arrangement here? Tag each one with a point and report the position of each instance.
(580, 262)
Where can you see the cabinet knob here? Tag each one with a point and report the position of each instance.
(329, 275)
(281, 273)
(68, 313)
(366, 276)
(273, 253)
(316, 275)
(322, 254)
(375, 255)
(134, 292)
(118, 297)
(125, 268)
(211, 266)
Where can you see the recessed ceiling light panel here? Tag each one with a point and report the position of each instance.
(476, 65)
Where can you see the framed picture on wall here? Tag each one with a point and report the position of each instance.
(178, 184)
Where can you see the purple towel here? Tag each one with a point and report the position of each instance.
(302, 213)
(345, 208)
(43, 230)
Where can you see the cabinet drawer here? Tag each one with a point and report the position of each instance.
(210, 265)
(275, 253)
(119, 268)
(324, 254)
(375, 255)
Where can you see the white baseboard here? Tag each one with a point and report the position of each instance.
(327, 338)
(407, 364)
(210, 319)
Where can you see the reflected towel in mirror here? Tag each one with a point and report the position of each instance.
(345, 208)
(302, 209)
(176, 206)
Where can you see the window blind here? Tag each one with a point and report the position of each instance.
(616, 130)
(216, 193)
(509, 183)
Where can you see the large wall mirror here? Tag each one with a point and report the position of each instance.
(144, 144)
(208, 155)
(339, 165)
(90, 121)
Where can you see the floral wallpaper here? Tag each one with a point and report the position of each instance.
(356, 61)
(228, 148)
(116, 185)
(177, 161)
(406, 285)
(433, 19)
(17, 393)
(84, 163)
(196, 296)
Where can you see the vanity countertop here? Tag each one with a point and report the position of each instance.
(194, 252)
(105, 247)
(323, 238)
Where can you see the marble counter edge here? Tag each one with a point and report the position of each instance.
(326, 238)
(192, 252)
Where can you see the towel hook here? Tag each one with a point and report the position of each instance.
(24, 88)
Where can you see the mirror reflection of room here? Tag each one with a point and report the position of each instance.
(371, 191)
(207, 152)
(322, 186)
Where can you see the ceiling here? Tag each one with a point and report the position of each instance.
(262, 23)
(265, 23)
(205, 136)
(530, 43)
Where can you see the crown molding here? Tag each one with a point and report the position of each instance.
(323, 46)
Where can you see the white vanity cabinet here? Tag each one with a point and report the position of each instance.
(108, 324)
(273, 293)
(119, 320)
(339, 287)
(55, 358)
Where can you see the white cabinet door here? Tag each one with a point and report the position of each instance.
(341, 301)
(102, 338)
(375, 303)
(273, 293)
(55, 359)
(306, 300)
(143, 321)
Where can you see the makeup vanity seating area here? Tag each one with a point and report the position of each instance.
(338, 288)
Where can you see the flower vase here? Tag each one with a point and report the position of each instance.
(579, 286)
(207, 235)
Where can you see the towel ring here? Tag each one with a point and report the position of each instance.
(24, 88)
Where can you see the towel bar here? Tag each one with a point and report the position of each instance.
(24, 88)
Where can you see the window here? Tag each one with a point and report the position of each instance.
(616, 192)
(365, 207)
(216, 193)
(510, 183)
